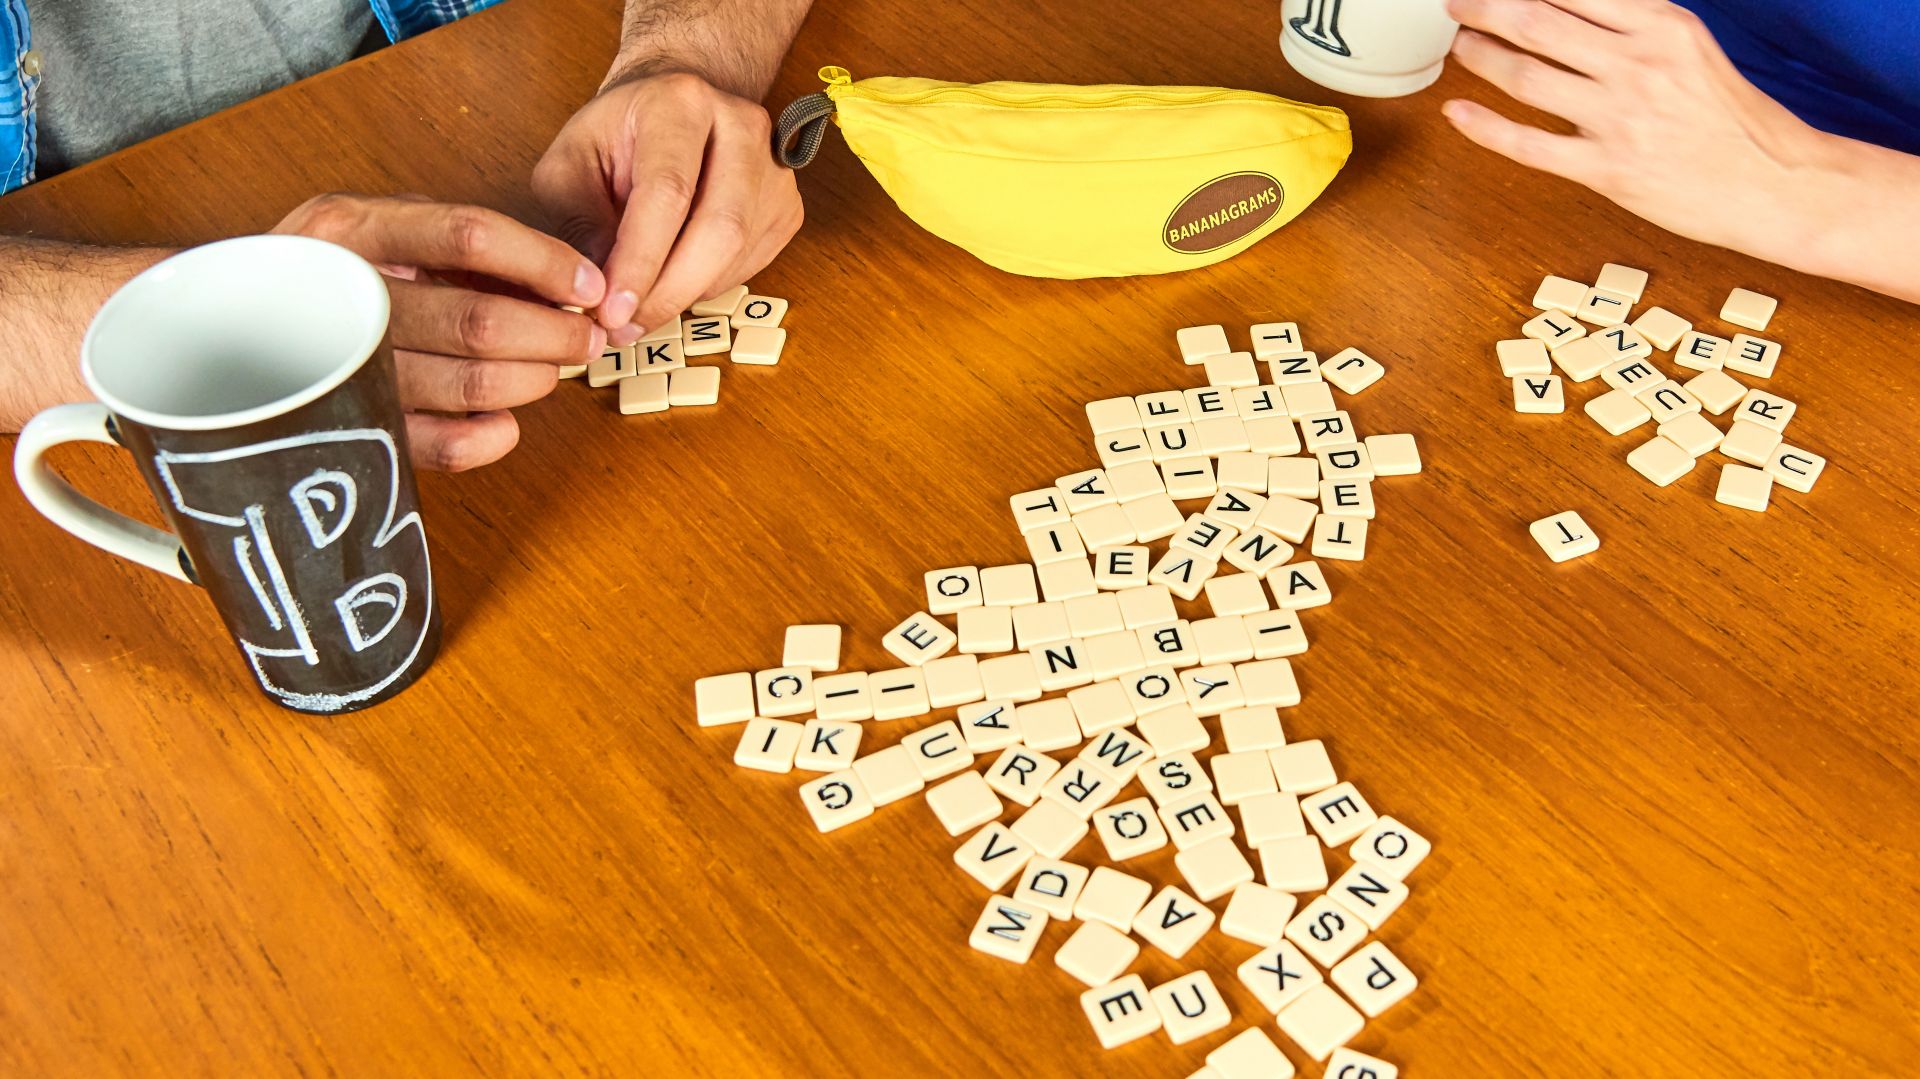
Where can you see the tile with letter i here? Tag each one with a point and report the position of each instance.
(843, 697)
(1190, 1007)
(1120, 1011)
(768, 745)
(1564, 536)
(1008, 929)
(898, 693)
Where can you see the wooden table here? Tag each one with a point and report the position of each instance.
(1672, 785)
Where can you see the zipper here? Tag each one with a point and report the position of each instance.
(1038, 98)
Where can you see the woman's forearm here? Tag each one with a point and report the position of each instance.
(1859, 218)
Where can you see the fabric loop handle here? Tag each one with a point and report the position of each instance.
(801, 129)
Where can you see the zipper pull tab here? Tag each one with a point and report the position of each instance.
(835, 76)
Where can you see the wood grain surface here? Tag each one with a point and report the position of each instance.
(1672, 785)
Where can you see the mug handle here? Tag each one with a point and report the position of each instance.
(56, 499)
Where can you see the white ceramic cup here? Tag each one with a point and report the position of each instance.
(1369, 48)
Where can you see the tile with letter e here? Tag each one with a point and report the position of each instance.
(1120, 1011)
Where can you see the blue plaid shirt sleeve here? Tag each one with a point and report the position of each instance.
(400, 19)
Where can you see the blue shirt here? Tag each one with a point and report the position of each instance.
(1851, 67)
(19, 84)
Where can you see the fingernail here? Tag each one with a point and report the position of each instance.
(596, 342)
(625, 335)
(620, 306)
(587, 285)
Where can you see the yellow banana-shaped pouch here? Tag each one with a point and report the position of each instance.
(1080, 181)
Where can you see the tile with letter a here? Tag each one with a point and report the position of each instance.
(1190, 1007)
(1173, 921)
(989, 725)
(993, 855)
(1120, 1011)
(1008, 929)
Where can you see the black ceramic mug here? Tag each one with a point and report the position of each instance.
(253, 381)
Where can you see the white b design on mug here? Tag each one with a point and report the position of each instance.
(320, 510)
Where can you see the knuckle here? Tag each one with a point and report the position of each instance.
(683, 86)
(730, 225)
(470, 231)
(331, 214)
(479, 385)
(478, 326)
(671, 187)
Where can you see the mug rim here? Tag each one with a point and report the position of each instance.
(356, 273)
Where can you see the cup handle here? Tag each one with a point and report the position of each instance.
(56, 499)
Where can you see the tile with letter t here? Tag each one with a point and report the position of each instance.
(1008, 929)
(1564, 535)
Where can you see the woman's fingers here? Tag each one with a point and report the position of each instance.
(1562, 155)
(1528, 80)
(1542, 29)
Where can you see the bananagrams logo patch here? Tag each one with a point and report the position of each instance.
(1221, 211)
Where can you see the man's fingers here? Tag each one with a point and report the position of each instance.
(444, 237)
(774, 235)
(457, 322)
(457, 384)
(666, 172)
(457, 443)
(573, 190)
(1528, 80)
(1562, 155)
(1540, 27)
(722, 226)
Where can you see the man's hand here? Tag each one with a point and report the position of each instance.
(1667, 127)
(474, 329)
(671, 184)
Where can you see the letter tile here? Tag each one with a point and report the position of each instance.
(1701, 351)
(1795, 468)
(1275, 339)
(1325, 931)
(1294, 369)
(1129, 829)
(949, 590)
(1258, 914)
(1352, 370)
(1161, 409)
(1751, 355)
(1236, 594)
(659, 356)
(1765, 409)
(1369, 892)
(1257, 728)
(1660, 461)
(1622, 280)
(1082, 787)
(1294, 477)
(1210, 402)
(1338, 814)
(1307, 398)
(1240, 776)
(1221, 435)
(1275, 634)
(1190, 1007)
(1154, 517)
(756, 311)
(1008, 929)
(1278, 974)
(1132, 482)
(1299, 585)
(815, 647)
(963, 802)
(767, 745)
(1522, 356)
(1189, 477)
(1019, 773)
(1553, 329)
(1038, 509)
(836, 800)
(1346, 1063)
(613, 365)
(827, 746)
(1540, 395)
(723, 698)
(1342, 538)
(889, 775)
(1302, 767)
(918, 638)
(1105, 526)
(900, 693)
(843, 697)
(1391, 847)
(1744, 487)
(1198, 342)
(989, 725)
(1173, 777)
(1050, 828)
(1373, 978)
(1212, 689)
(1268, 817)
(1054, 886)
(1096, 954)
(1112, 898)
(1195, 819)
(1632, 375)
(1173, 921)
(1065, 580)
(1183, 571)
(1120, 1011)
(784, 691)
(1564, 535)
(1100, 706)
(1223, 639)
(708, 335)
(1320, 1021)
(1667, 400)
(938, 751)
(1393, 455)
(1602, 308)
(1748, 309)
(1117, 448)
(1617, 412)
(1116, 569)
